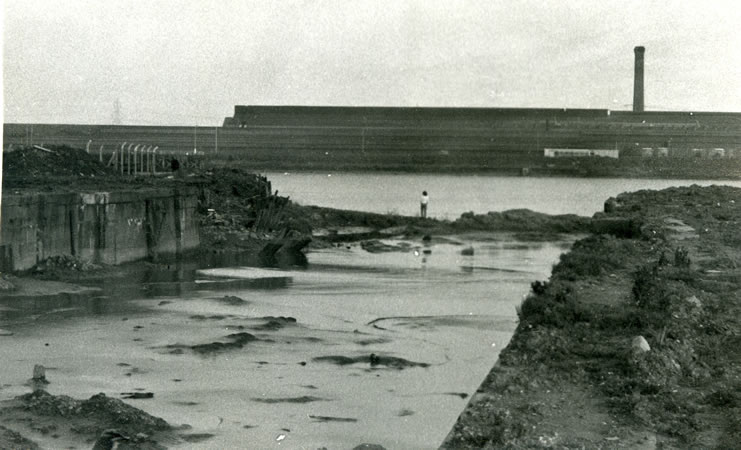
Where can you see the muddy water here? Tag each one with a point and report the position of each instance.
(434, 319)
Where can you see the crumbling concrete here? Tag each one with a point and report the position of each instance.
(102, 227)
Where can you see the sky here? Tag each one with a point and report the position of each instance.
(189, 62)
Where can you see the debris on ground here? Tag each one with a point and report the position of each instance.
(53, 160)
(42, 414)
(7, 283)
(69, 262)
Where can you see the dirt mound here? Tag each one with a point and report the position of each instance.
(100, 419)
(53, 161)
(11, 439)
(523, 220)
(235, 342)
(107, 412)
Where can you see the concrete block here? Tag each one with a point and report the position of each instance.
(102, 227)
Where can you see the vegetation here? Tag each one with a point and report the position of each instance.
(580, 337)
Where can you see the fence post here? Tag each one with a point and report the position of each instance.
(100, 154)
(154, 160)
(128, 158)
(141, 159)
(122, 149)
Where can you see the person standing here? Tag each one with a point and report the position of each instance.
(423, 204)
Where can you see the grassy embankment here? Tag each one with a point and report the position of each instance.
(577, 373)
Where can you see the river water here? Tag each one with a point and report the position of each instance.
(453, 195)
(435, 317)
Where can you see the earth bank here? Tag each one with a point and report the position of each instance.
(632, 343)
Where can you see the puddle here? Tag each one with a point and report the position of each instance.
(355, 347)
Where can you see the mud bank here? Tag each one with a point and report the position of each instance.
(98, 422)
(331, 225)
(634, 340)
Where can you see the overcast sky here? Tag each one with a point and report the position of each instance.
(190, 62)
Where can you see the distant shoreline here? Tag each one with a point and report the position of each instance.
(505, 173)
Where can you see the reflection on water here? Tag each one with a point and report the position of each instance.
(353, 347)
(177, 278)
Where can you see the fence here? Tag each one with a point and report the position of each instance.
(141, 159)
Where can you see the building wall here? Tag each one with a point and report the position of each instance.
(109, 228)
(438, 139)
(334, 116)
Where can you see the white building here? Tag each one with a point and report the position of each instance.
(579, 153)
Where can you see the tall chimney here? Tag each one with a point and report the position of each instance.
(638, 80)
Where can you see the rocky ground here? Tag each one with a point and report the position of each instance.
(634, 342)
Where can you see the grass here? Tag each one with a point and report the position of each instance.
(594, 256)
(556, 329)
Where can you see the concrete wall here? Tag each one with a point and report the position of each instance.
(103, 227)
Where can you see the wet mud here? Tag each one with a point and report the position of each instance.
(327, 419)
(302, 399)
(306, 327)
(372, 360)
(234, 341)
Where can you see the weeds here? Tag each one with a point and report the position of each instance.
(592, 256)
(681, 257)
(649, 291)
(554, 306)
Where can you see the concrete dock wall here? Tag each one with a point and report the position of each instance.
(103, 227)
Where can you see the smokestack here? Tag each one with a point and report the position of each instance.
(638, 80)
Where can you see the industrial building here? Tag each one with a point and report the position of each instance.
(418, 138)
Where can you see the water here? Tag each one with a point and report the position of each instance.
(452, 195)
(452, 313)
(448, 313)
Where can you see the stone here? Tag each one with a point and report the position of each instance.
(467, 251)
(39, 373)
(640, 345)
(694, 301)
(110, 439)
(611, 205)
(6, 285)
